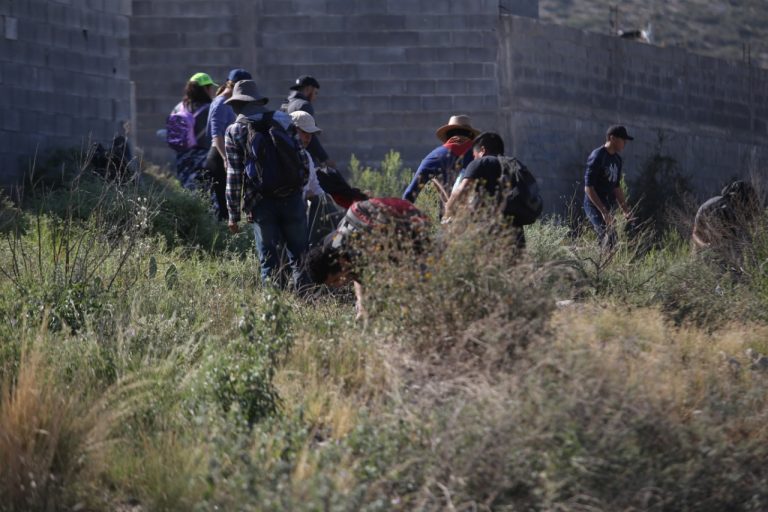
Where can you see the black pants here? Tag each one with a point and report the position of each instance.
(216, 177)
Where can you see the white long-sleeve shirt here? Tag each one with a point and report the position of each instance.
(312, 188)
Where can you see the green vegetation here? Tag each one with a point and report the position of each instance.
(718, 28)
(143, 366)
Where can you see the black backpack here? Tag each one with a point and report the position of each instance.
(274, 162)
(519, 196)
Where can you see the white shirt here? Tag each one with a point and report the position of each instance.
(312, 188)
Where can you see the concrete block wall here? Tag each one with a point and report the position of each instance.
(560, 88)
(391, 72)
(173, 39)
(64, 68)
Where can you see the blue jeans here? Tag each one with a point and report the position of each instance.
(278, 220)
(606, 236)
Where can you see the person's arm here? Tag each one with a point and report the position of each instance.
(458, 196)
(362, 314)
(595, 199)
(697, 239)
(699, 236)
(318, 152)
(622, 200)
(235, 161)
(429, 167)
(312, 188)
(218, 143)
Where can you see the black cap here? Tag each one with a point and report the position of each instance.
(303, 81)
(619, 131)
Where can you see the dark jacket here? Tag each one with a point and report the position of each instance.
(295, 102)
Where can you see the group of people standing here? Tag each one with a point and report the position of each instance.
(270, 163)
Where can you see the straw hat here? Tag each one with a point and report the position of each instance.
(456, 122)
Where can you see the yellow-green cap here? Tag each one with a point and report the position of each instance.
(202, 79)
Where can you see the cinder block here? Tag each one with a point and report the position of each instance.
(437, 103)
(368, 22)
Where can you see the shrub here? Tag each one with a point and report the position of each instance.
(387, 181)
(472, 297)
(238, 376)
(661, 193)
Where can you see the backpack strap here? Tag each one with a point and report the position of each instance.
(255, 127)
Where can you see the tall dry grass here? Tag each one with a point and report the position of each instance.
(51, 435)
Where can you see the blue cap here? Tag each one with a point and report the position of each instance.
(238, 74)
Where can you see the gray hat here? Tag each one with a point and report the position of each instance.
(246, 90)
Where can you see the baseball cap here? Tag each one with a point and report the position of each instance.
(303, 81)
(202, 79)
(619, 131)
(238, 74)
(305, 121)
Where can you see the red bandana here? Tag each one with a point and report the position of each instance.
(458, 145)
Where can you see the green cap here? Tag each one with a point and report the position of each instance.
(202, 79)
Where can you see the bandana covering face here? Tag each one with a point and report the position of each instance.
(458, 145)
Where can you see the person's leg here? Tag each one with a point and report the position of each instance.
(596, 219)
(266, 231)
(293, 226)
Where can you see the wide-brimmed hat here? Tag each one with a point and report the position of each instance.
(303, 81)
(460, 122)
(305, 121)
(246, 90)
(202, 79)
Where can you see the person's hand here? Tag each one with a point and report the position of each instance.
(234, 228)
(608, 218)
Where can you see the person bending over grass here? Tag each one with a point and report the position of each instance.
(390, 226)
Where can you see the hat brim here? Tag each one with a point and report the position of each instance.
(248, 99)
(316, 130)
(296, 87)
(443, 130)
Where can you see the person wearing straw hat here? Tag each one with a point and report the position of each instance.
(446, 160)
(277, 214)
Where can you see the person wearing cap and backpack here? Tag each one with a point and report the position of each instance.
(266, 174)
(602, 185)
(446, 161)
(185, 129)
(303, 93)
(220, 116)
(504, 181)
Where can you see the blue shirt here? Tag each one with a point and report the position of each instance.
(439, 163)
(603, 174)
(220, 116)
